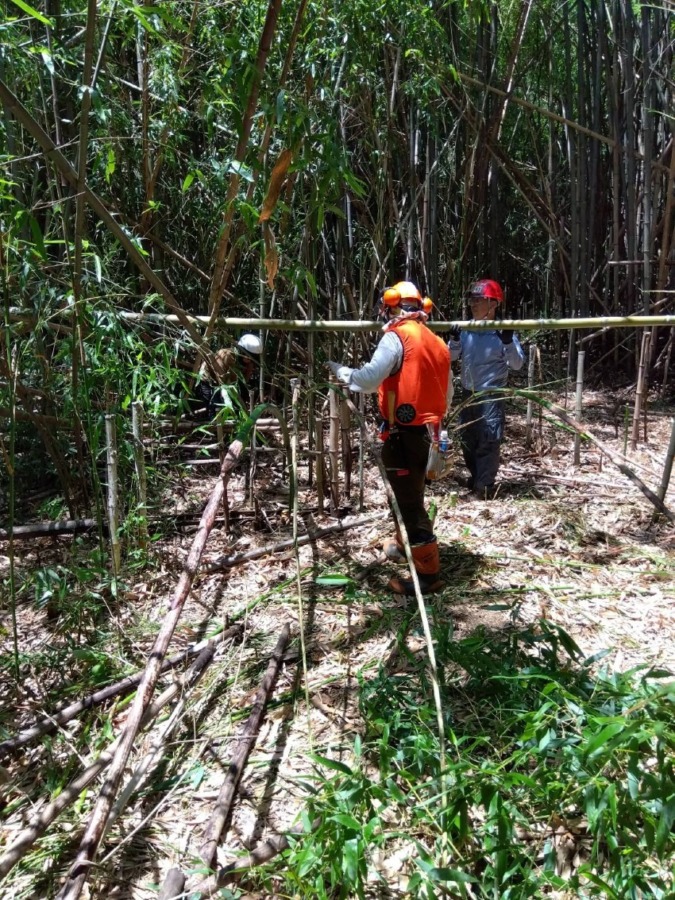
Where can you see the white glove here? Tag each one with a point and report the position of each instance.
(342, 373)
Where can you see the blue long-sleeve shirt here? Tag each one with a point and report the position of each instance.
(485, 359)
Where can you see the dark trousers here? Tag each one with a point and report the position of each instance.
(481, 433)
(405, 455)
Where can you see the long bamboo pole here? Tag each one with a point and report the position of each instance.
(339, 325)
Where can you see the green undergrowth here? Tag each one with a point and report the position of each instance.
(559, 780)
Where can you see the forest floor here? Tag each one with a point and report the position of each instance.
(577, 545)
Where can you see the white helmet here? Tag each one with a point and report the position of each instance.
(250, 345)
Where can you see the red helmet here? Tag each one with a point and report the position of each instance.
(491, 290)
(401, 291)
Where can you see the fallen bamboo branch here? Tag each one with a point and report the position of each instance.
(47, 529)
(50, 723)
(245, 742)
(91, 839)
(69, 795)
(235, 559)
(145, 768)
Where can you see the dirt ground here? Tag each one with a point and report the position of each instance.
(578, 545)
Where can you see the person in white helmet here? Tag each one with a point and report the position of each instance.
(228, 369)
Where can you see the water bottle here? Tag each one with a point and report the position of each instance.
(443, 443)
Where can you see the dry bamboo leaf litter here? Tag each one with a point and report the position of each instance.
(575, 545)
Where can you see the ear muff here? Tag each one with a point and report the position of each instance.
(427, 305)
(391, 297)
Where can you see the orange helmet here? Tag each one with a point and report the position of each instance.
(491, 290)
(401, 291)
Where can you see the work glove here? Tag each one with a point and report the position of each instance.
(506, 334)
(341, 372)
(454, 334)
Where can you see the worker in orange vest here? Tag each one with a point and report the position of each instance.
(410, 370)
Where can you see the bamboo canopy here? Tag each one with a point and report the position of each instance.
(333, 325)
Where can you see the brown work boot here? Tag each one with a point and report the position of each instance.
(428, 567)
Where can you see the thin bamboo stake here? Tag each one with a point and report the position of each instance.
(431, 653)
(345, 437)
(245, 743)
(334, 448)
(320, 464)
(54, 720)
(579, 404)
(667, 466)
(295, 386)
(78, 873)
(530, 385)
(640, 392)
(141, 477)
(113, 492)
(362, 451)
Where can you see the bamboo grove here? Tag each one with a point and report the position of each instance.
(288, 161)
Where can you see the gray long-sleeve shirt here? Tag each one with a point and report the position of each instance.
(485, 359)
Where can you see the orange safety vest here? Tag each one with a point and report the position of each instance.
(420, 386)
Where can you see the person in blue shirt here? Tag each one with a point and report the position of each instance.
(486, 357)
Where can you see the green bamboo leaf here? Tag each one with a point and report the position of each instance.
(332, 764)
(33, 12)
(600, 739)
(664, 828)
(333, 580)
(346, 820)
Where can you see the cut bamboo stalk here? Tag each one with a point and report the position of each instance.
(530, 386)
(113, 492)
(261, 854)
(345, 435)
(94, 831)
(173, 885)
(579, 404)
(640, 392)
(334, 448)
(152, 759)
(245, 743)
(320, 465)
(53, 721)
(141, 477)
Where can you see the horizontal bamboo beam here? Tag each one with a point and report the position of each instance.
(316, 325)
